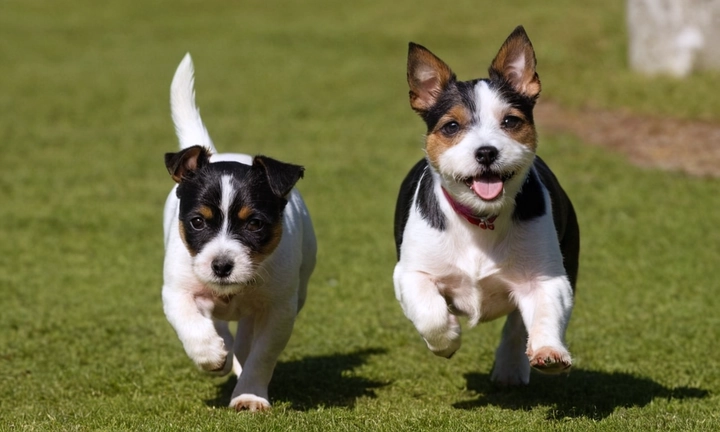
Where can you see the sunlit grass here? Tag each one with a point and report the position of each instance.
(85, 121)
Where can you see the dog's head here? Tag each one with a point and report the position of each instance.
(231, 214)
(481, 136)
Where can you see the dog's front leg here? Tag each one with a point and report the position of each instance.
(546, 309)
(206, 342)
(423, 304)
(271, 330)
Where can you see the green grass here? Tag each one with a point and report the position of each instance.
(84, 122)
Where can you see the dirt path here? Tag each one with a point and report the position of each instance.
(666, 143)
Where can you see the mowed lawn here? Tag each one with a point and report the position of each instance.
(84, 124)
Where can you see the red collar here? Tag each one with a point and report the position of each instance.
(484, 222)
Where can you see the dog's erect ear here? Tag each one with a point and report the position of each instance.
(515, 64)
(427, 77)
(186, 161)
(280, 175)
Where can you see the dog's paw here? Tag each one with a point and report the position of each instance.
(210, 355)
(550, 360)
(225, 369)
(249, 402)
(447, 349)
(446, 344)
(447, 352)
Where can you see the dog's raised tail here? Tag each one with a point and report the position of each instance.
(189, 127)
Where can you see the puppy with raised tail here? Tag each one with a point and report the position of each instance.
(239, 246)
(482, 227)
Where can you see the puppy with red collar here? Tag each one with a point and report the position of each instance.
(482, 227)
(239, 246)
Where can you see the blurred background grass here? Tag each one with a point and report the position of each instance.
(84, 122)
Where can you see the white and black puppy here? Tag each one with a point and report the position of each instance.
(239, 246)
(482, 227)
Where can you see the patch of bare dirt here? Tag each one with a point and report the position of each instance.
(666, 143)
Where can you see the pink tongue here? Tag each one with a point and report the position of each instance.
(487, 187)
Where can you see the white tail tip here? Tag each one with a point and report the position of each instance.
(189, 127)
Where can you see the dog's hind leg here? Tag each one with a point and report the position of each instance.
(511, 363)
(271, 332)
(428, 310)
(243, 341)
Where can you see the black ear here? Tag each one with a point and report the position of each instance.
(280, 175)
(515, 64)
(427, 77)
(186, 161)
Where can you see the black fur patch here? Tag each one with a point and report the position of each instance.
(530, 201)
(455, 93)
(463, 93)
(260, 188)
(564, 217)
(418, 179)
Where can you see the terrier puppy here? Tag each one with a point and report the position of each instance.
(239, 246)
(482, 227)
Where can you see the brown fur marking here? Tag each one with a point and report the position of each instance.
(427, 76)
(436, 143)
(206, 212)
(521, 76)
(181, 228)
(245, 212)
(270, 246)
(525, 133)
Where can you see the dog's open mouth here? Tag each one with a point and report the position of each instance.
(488, 185)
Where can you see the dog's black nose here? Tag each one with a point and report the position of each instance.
(222, 267)
(486, 155)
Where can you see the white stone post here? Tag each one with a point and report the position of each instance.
(673, 37)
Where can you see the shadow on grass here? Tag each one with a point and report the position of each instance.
(582, 393)
(313, 382)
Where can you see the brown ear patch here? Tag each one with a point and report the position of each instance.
(427, 77)
(186, 161)
(515, 63)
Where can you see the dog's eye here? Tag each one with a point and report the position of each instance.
(254, 225)
(197, 223)
(511, 122)
(450, 128)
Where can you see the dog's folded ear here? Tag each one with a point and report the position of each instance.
(281, 176)
(515, 64)
(181, 164)
(427, 77)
